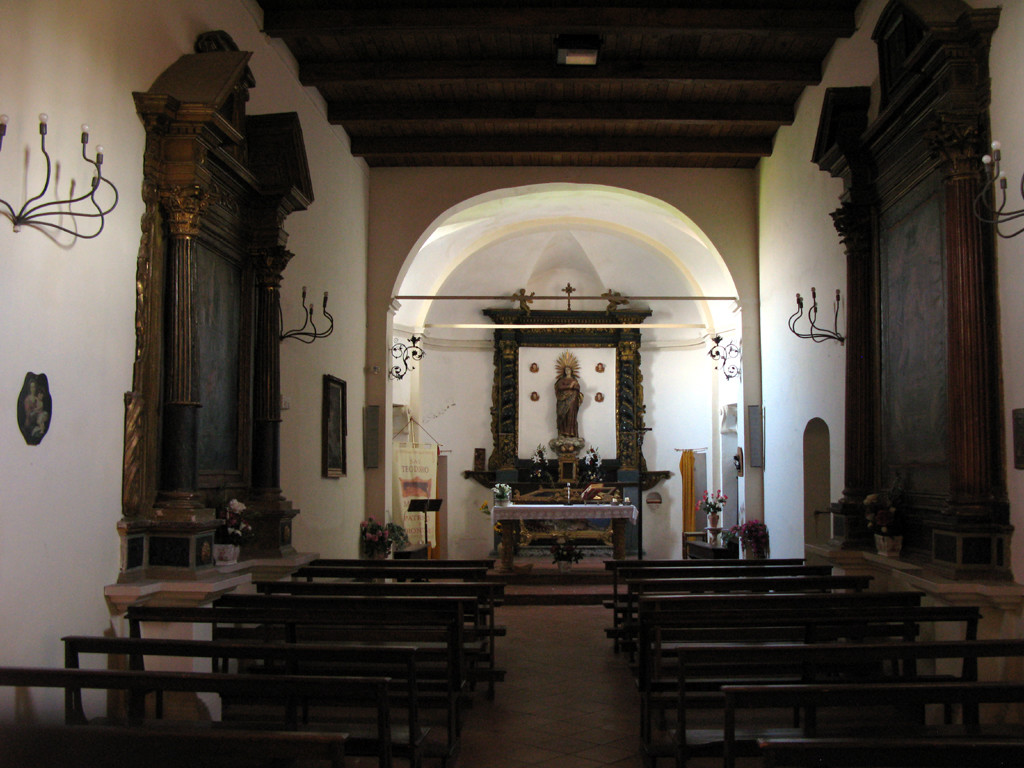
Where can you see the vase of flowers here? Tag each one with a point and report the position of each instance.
(378, 539)
(502, 494)
(229, 537)
(564, 553)
(712, 506)
(591, 465)
(753, 538)
(883, 519)
(538, 471)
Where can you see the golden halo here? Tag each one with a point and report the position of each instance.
(568, 360)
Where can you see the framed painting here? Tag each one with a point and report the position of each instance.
(335, 427)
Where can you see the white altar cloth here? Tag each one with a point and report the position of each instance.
(565, 512)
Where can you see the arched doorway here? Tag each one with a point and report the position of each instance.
(543, 239)
(817, 484)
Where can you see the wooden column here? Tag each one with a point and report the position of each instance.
(975, 455)
(266, 428)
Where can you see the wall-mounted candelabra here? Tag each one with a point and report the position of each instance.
(404, 353)
(984, 207)
(814, 332)
(308, 332)
(723, 354)
(37, 213)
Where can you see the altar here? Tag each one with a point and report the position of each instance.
(617, 513)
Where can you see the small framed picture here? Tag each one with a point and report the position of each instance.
(35, 407)
(335, 427)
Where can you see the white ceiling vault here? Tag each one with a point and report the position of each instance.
(540, 238)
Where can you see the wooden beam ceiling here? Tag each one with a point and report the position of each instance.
(475, 82)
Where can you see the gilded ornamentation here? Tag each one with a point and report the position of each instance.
(955, 143)
(269, 264)
(853, 223)
(132, 479)
(185, 207)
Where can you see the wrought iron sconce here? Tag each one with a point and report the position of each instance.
(302, 334)
(815, 333)
(34, 213)
(722, 355)
(983, 207)
(404, 353)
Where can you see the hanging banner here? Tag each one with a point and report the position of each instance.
(415, 477)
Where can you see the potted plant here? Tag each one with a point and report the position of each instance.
(378, 539)
(564, 553)
(539, 473)
(229, 537)
(502, 494)
(753, 538)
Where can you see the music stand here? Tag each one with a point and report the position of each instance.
(425, 506)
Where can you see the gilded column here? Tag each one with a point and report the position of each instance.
(178, 466)
(266, 429)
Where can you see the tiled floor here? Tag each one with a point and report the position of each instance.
(567, 700)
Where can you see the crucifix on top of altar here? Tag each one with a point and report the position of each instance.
(594, 403)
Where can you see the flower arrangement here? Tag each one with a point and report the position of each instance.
(378, 539)
(591, 462)
(882, 510)
(502, 491)
(712, 505)
(565, 551)
(236, 528)
(539, 471)
(753, 535)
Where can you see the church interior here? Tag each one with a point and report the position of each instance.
(624, 252)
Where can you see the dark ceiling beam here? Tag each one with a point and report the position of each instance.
(533, 145)
(369, 115)
(811, 19)
(434, 73)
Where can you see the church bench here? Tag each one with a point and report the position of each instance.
(483, 598)
(366, 693)
(111, 746)
(637, 589)
(882, 752)
(904, 706)
(457, 563)
(684, 661)
(379, 571)
(432, 624)
(397, 663)
(669, 570)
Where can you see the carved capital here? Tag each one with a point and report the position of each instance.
(185, 207)
(955, 143)
(269, 264)
(853, 223)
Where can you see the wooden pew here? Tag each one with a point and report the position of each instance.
(377, 570)
(442, 564)
(615, 565)
(110, 746)
(482, 600)
(695, 569)
(429, 623)
(637, 589)
(812, 698)
(370, 693)
(880, 752)
(675, 672)
(397, 663)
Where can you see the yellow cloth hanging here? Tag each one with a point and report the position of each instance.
(686, 462)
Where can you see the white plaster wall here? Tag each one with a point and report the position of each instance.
(799, 249)
(67, 309)
(1007, 113)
